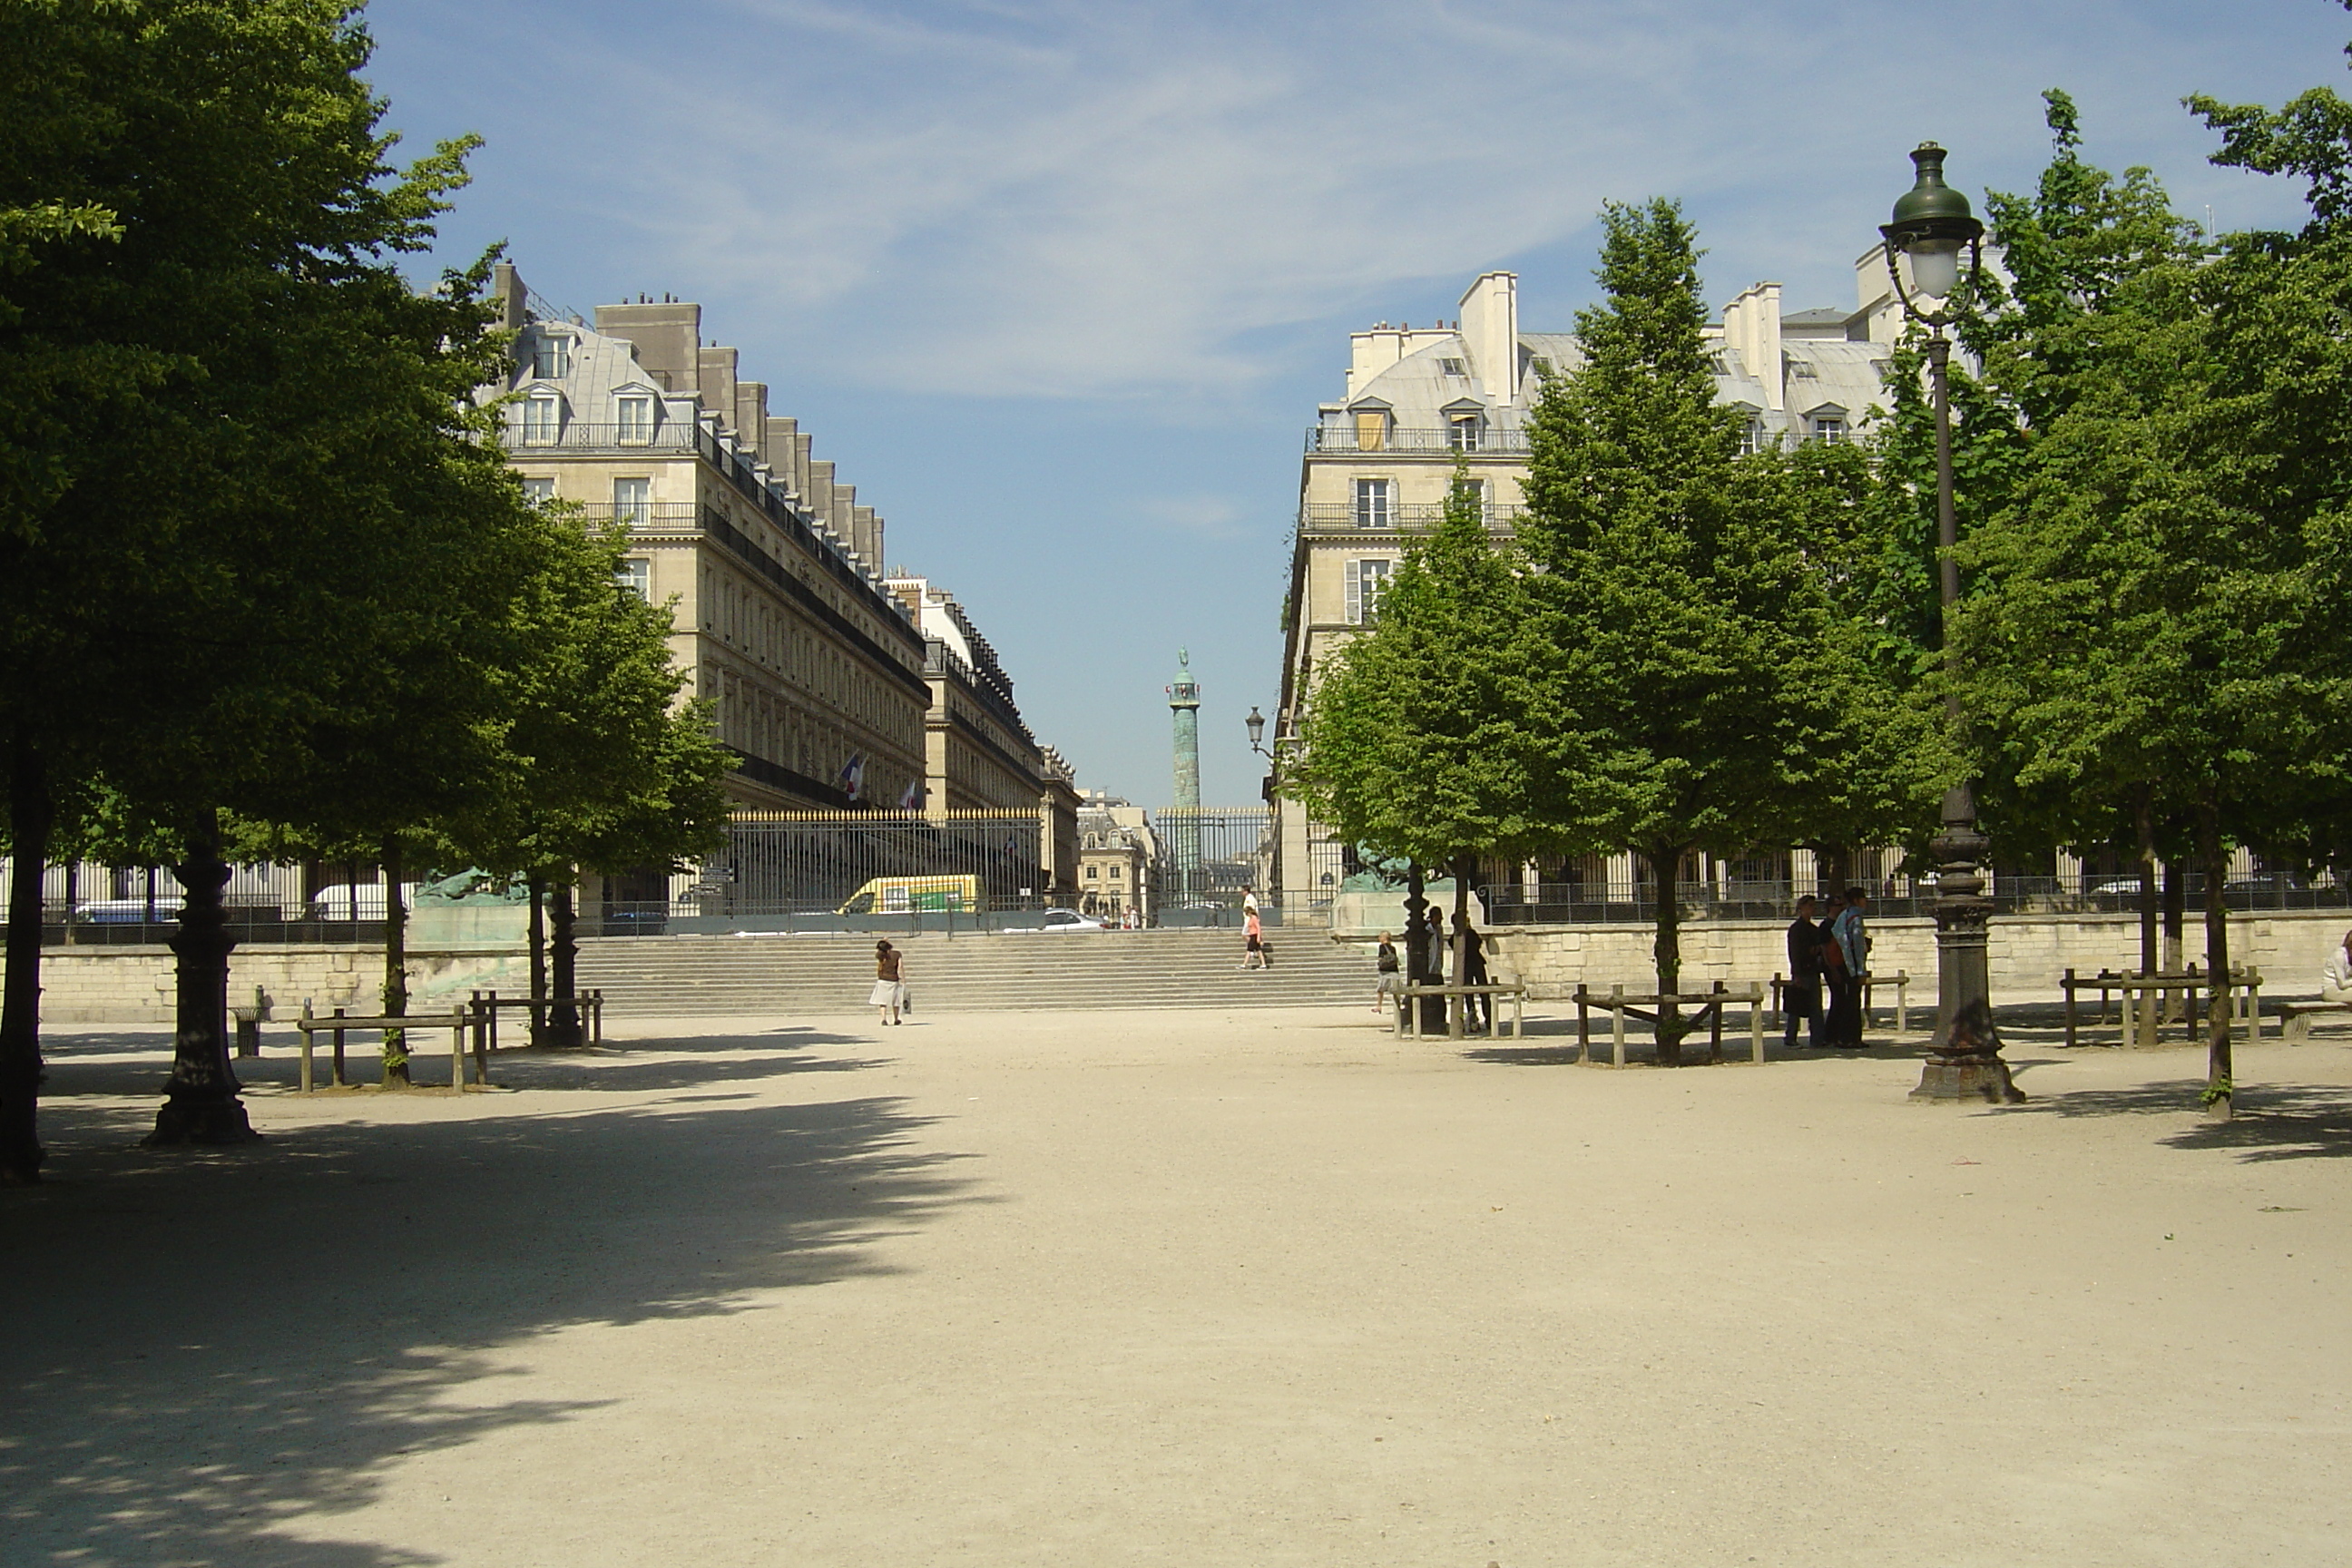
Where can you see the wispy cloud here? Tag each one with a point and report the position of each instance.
(1034, 198)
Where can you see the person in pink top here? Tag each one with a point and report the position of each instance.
(1253, 941)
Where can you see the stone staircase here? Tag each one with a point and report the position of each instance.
(705, 977)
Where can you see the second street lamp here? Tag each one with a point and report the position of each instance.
(1932, 224)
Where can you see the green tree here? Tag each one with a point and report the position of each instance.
(1704, 696)
(2157, 632)
(1421, 741)
(215, 544)
(601, 768)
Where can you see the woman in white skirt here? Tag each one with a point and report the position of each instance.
(889, 982)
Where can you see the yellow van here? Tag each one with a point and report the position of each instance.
(906, 895)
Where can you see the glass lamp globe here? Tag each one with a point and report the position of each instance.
(1935, 265)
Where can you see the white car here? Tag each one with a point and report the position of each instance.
(344, 902)
(1058, 920)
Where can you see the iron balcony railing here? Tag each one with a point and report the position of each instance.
(666, 514)
(1318, 516)
(578, 435)
(1490, 441)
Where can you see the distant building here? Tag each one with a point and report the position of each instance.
(815, 671)
(1380, 461)
(1117, 857)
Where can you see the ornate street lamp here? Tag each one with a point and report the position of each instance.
(1932, 226)
(1256, 725)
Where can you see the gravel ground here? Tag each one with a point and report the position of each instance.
(1256, 1288)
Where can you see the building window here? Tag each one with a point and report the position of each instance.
(1094, 873)
(1372, 508)
(1366, 578)
(539, 492)
(1371, 432)
(1452, 367)
(1543, 366)
(1829, 430)
(633, 502)
(636, 577)
(1462, 432)
(1114, 874)
(1751, 437)
(542, 418)
(551, 357)
(1799, 370)
(637, 418)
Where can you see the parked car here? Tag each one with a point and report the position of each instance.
(1059, 920)
(128, 911)
(344, 902)
(2118, 887)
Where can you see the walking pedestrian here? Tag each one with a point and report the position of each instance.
(890, 993)
(1390, 981)
(1801, 997)
(1852, 937)
(1253, 941)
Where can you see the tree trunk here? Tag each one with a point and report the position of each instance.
(538, 957)
(1666, 869)
(1457, 1015)
(1834, 865)
(2219, 1088)
(2176, 909)
(2144, 829)
(73, 896)
(201, 1103)
(396, 966)
(563, 1016)
(31, 813)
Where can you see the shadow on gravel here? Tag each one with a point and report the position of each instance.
(199, 1347)
(2270, 1122)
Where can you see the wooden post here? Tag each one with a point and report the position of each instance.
(339, 1052)
(1520, 1014)
(1617, 1025)
(456, 1050)
(1583, 1024)
(2069, 985)
(1779, 1003)
(305, 1045)
(1715, 1023)
(1902, 1001)
(482, 1020)
(1756, 1022)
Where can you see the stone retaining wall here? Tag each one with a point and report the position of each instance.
(2029, 954)
(133, 984)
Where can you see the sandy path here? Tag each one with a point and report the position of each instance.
(1267, 1289)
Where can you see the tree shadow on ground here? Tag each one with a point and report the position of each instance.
(203, 1348)
(2268, 1121)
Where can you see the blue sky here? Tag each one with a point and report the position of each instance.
(1059, 285)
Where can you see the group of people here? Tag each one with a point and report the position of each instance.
(1478, 1011)
(1829, 955)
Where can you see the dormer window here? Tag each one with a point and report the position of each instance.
(1372, 429)
(1751, 437)
(542, 420)
(1462, 431)
(1800, 369)
(633, 417)
(1829, 430)
(551, 356)
(1452, 367)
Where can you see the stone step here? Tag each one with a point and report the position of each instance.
(723, 976)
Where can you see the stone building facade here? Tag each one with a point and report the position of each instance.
(1379, 460)
(834, 687)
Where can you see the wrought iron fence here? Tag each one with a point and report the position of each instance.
(92, 904)
(806, 869)
(1567, 903)
(1209, 856)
